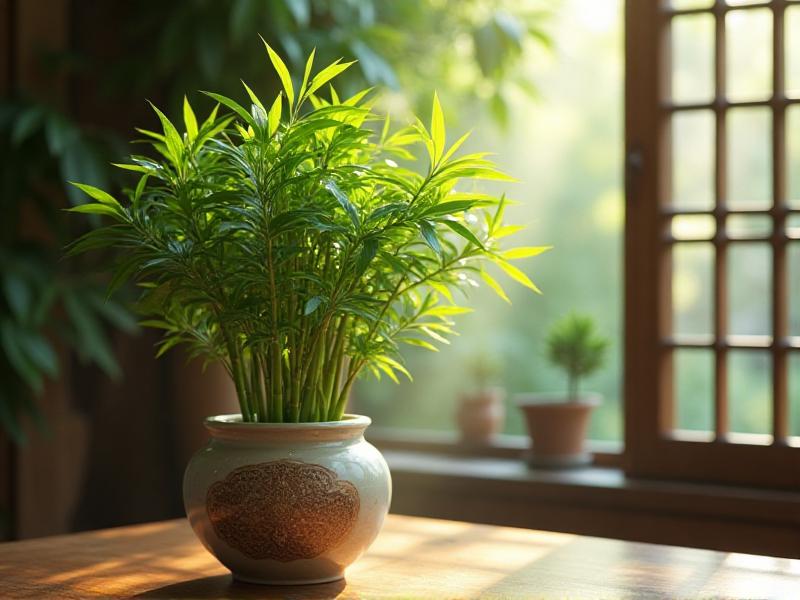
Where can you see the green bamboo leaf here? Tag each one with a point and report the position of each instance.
(395, 365)
(517, 275)
(428, 232)
(496, 287)
(448, 310)
(344, 201)
(507, 230)
(449, 208)
(233, 105)
(389, 371)
(307, 73)
(95, 209)
(454, 148)
(524, 252)
(283, 72)
(98, 194)
(439, 338)
(328, 73)
(437, 129)
(189, 120)
(464, 232)
(253, 98)
(274, 117)
(418, 342)
(172, 137)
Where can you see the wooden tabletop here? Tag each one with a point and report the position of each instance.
(412, 558)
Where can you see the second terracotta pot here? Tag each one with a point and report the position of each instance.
(480, 416)
(557, 427)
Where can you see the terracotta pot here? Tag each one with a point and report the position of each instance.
(480, 415)
(287, 503)
(557, 428)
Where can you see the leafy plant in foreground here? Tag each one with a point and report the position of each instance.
(288, 243)
(574, 345)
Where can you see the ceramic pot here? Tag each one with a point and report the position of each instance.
(480, 416)
(557, 428)
(287, 503)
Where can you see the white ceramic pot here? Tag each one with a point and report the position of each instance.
(287, 503)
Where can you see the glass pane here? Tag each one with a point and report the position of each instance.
(794, 394)
(793, 284)
(748, 226)
(694, 389)
(743, 2)
(692, 58)
(748, 48)
(692, 289)
(792, 58)
(693, 159)
(750, 391)
(689, 4)
(793, 155)
(749, 158)
(749, 289)
(793, 226)
(693, 227)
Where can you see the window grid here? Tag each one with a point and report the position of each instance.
(779, 344)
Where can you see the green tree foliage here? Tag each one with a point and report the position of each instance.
(574, 345)
(302, 245)
(43, 303)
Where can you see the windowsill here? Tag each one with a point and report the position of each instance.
(606, 453)
(596, 500)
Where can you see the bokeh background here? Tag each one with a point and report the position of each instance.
(95, 432)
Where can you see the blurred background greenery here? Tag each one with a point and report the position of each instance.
(540, 82)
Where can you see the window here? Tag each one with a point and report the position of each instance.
(566, 147)
(712, 137)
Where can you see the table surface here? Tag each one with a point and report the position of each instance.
(412, 558)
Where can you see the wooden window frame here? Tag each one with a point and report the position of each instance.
(652, 449)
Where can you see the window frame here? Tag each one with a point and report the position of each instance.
(652, 449)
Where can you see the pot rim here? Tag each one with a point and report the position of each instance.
(232, 429)
(549, 399)
(233, 421)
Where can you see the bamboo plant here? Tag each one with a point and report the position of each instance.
(300, 242)
(574, 344)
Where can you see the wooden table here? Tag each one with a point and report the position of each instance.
(412, 558)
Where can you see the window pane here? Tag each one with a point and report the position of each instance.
(693, 227)
(749, 289)
(693, 159)
(793, 227)
(748, 226)
(692, 289)
(694, 389)
(792, 59)
(743, 2)
(793, 266)
(750, 391)
(692, 58)
(748, 48)
(794, 396)
(749, 158)
(793, 155)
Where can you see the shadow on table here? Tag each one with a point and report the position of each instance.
(224, 586)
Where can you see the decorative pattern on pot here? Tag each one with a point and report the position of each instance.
(282, 510)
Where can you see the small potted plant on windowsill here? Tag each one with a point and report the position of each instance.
(286, 242)
(481, 410)
(557, 424)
